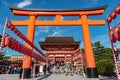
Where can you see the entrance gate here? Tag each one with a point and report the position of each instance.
(58, 14)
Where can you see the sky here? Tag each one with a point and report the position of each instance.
(97, 33)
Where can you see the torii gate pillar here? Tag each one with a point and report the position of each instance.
(26, 67)
(58, 14)
(91, 68)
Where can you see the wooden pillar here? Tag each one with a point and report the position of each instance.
(65, 59)
(54, 58)
(28, 60)
(90, 61)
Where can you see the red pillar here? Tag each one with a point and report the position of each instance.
(90, 61)
(28, 60)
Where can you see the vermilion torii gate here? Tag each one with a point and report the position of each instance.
(58, 14)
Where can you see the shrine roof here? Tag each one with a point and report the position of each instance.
(59, 40)
(56, 10)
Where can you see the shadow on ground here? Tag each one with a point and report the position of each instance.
(109, 78)
(45, 76)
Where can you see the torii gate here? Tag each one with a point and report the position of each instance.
(58, 14)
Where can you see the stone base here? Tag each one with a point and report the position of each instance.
(27, 73)
(92, 73)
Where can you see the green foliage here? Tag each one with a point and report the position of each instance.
(2, 57)
(0, 37)
(104, 59)
(105, 67)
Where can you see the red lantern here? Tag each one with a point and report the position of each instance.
(15, 30)
(12, 27)
(113, 15)
(6, 41)
(115, 29)
(117, 9)
(118, 33)
(12, 43)
(20, 35)
(24, 50)
(112, 36)
(15, 45)
(109, 19)
(20, 47)
(9, 44)
(9, 24)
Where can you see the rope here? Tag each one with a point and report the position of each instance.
(114, 57)
(3, 35)
(115, 61)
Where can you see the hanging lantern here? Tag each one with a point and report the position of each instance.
(118, 33)
(12, 27)
(18, 46)
(117, 9)
(115, 29)
(10, 43)
(18, 33)
(24, 50)
(113, 15)
(9, 24)
(15, 30)
(112, 36)
(22, 37)
(109, 19)
(14, 45)
(6, 41)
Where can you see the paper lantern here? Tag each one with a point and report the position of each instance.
(112, 36)
(118, 33)
(115, 29)
(18, 33)
(12, 27)
(14, 45)
(113, 15)
(9, 24)
(15, 30)
(117, 9)
(109, 19)
(6, 41)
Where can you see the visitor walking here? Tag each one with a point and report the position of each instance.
(44, 69)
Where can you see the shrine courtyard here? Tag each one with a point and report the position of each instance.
(53, 77)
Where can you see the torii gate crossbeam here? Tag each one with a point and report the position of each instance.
(58, 14)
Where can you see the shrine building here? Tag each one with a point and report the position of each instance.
(59, 48)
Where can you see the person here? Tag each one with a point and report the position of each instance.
(36, 70)
(44, 69)
(67, 68)
(71, 69)
(41, 69)
(48, 68)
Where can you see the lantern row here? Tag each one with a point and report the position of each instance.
(115, 33)
(17, 46)
(18, 33)
(113, 14)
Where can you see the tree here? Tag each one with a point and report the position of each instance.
(2, 56)
(0, 38)
(104, 59)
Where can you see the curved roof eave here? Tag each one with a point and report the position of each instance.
(58, 10)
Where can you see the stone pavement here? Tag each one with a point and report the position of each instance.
(51, 77)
